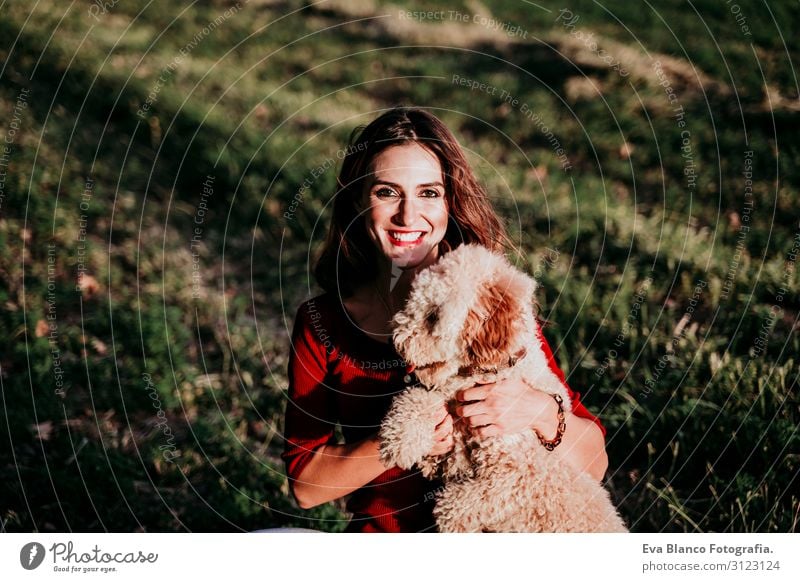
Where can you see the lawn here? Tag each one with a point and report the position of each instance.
(154, 248)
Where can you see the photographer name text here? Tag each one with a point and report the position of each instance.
(705, 549)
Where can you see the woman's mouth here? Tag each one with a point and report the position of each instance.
(406, 238)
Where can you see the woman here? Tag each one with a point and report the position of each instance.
(406, 195)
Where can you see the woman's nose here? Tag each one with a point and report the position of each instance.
(407, 213)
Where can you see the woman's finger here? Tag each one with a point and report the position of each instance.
(442, 447)
(467, 410)
(444, 413)
(479, 392)
(486, 431)
(447, 420)
(479, 420)
(443, 431)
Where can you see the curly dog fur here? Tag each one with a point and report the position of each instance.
(469, 318)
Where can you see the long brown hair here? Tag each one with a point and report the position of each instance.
(349, 258)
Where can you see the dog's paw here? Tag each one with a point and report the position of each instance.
(406, 433)
(403, 449)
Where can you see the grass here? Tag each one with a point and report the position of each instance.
(701, 404)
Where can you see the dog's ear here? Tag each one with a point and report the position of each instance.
(489, 327)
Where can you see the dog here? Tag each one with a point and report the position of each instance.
(469, 318)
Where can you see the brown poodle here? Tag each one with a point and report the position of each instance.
(470, 318)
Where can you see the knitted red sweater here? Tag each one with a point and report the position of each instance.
(340, 375)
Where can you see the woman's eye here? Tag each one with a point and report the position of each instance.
(384, 192)
(430, 193)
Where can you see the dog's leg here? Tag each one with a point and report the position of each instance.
(473, 505)
(407, 431)
(495, 500)
(457, 466)
(455, 510)
(593, 502)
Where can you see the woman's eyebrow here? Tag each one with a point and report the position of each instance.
(399, 187)
(387, 183)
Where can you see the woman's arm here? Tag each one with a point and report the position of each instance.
(337, 470)
(511, 406)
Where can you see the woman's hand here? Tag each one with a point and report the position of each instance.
(510, 406)
(505, 407)
(443, 435)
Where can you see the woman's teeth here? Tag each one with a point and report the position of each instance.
(405, 236)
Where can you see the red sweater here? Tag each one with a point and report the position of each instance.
(340, 375)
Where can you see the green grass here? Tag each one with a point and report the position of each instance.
(702, 419)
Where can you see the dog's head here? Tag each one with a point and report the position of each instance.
(467, 311)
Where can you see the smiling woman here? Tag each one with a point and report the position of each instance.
(406, 195)
(404, 205)
(404, 153)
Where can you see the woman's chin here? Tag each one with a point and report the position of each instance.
(412, 258)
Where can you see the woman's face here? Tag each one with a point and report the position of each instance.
(404, 205)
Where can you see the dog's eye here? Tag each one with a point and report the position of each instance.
(431, 319)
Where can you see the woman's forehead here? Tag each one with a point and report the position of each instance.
(407, 162)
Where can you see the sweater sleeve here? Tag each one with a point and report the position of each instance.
(310, 410)
(578, 409)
